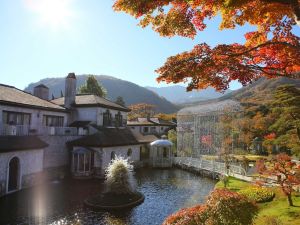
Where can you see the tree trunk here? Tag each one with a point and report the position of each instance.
(298, 133)
(290, 200)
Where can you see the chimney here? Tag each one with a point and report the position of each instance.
(41, 91)
(70, 90)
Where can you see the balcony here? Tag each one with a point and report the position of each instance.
(60, 131)
(24, 130)
(15, 130)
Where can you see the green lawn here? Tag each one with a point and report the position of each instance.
(278, 207)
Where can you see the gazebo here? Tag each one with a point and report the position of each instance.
(161, 153)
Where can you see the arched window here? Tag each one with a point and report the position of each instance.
(119, 119)
(107, 118)
(113, 155)
(129, 152)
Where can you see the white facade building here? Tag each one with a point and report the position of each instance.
(42, 139)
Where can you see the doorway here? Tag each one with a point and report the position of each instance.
(13, 174)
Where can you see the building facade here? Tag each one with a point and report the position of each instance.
(42, 139)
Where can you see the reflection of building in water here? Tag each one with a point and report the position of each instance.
(199, 128)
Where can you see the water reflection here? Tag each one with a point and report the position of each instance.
(58, 204)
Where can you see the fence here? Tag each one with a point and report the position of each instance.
(209, 165)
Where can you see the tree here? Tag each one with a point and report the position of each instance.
(287, 172)
(168, 117)
(92, 86)
(271, 50)
(141, 110)
(172, 136)
(120, 101)
(286, 110)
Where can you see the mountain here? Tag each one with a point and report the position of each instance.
(260, 91)
(178, 94)
(130, 92)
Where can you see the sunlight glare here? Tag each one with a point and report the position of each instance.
(55, 14)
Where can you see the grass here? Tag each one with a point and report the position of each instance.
(250, 157)
(288, 215)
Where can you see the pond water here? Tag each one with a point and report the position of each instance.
(165, 192)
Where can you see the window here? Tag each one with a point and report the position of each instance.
(119, 119)
(82, 161)
(162, 128)
(53, 121)
(132, 128)
(107, 118)
(153, 129)
(146, 129)
(165, 152)
(16, 118)
(129, 152)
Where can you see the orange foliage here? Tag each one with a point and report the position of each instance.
(271, 50)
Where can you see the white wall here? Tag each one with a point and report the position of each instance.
(95, 114)
(87, 113)
(31, 162)
(36, 114)
(105, 154)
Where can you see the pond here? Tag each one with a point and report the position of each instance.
(165, 192)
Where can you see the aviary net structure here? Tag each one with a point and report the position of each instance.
(206, 129)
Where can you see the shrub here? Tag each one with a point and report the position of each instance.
(119, 178)
(223, 207)
(230, 208)
(189, 216)
(258, 194)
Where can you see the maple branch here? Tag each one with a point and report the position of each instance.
(263, 45)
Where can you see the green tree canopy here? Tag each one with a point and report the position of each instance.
(286, 110)
(92, 86)
(120, 101)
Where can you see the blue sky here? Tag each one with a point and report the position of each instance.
(49, 38)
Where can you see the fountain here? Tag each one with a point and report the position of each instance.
(120, 189)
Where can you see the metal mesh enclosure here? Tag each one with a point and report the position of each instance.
(200, 130)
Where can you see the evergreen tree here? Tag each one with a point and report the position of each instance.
(286, 109)
(92, 86)
(120, 101)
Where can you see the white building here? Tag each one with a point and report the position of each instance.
(151, 125)
(42, 139)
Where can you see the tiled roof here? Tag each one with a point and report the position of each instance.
(144, 138)
(139, 123)
(92, 100)
(13, 96)
(20, 143)
(107, 137)
(150, 122)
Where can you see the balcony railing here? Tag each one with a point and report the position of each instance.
(14, 130)
(24, 130)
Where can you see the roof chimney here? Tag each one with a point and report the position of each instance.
(41, 91)
(70, 90)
